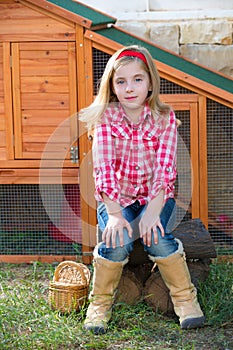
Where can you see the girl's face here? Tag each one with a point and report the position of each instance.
(131, 84)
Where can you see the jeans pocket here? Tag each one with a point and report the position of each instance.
(102, 216)
(168, 215)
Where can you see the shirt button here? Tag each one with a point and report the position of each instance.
(134, 185)
(149, 135)
(169, 169)
(137, 167)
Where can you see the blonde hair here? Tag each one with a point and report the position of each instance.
(92, 114)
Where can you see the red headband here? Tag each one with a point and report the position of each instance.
(134, 54)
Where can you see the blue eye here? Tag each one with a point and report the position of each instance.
(120, 82)
(138, 80)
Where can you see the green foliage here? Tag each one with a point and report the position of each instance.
(28, 323)
(216, 295)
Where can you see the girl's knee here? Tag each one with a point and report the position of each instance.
(165, 247)
(115, 254)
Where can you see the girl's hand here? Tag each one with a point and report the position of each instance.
(116, 224)
(151, 220)
(148, 223)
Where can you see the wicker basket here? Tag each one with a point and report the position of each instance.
(69, 289)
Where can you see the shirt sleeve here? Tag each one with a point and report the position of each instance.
(104, 159)
(165, 171)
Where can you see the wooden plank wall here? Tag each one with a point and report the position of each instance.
(29, 23)
(39, 70)
(42, 102)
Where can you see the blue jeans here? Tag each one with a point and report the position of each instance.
(166, 245)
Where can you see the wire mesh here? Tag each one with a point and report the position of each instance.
(183, 189)
(168, 87)
(28, 226)
(99, 59)
(220, 174)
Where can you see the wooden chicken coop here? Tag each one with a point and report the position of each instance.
(52, 55)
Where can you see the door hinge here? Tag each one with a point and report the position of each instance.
(74, 154)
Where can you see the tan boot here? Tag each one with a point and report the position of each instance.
(106, 277)
(175, 274)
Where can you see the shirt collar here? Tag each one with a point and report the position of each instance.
(118, 113)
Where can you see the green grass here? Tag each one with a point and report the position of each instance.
(28, 323)
(35, 243)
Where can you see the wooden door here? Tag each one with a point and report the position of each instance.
(191, 185)
(44, 99)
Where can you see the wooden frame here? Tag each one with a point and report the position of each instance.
(27, 259)
(79, 35)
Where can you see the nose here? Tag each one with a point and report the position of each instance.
(129, 87)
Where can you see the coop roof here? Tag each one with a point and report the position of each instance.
(171, 59)
(97, 18)
(104, 25)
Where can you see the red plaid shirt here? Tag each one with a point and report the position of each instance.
(134, 161)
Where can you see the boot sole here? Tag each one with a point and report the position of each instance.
(95, 330)
(191, 323)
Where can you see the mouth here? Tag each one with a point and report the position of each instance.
(131, 98)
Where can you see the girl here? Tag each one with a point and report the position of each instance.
(134, 157)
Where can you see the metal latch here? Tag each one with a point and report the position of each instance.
(74, 154)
